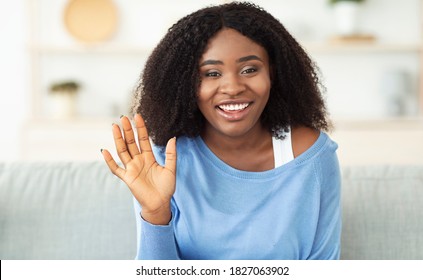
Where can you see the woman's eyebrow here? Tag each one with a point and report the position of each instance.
(248, 58)
(211, 62)
(239, 60)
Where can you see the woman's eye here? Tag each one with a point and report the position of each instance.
(249, 70)
(212, 74)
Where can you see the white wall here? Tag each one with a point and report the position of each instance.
(309, 20)
(14, 78)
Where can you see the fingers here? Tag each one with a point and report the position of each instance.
(170, 161)
(111, 163)
(129, 136)
(143, 139)
(121, 148)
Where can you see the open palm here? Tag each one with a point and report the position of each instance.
(151, 184)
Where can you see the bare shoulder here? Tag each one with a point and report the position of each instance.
(303, 138)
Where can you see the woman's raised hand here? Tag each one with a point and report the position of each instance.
(151, 184)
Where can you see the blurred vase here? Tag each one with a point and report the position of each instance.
(396, 87)
(346, 17)
(63, 105)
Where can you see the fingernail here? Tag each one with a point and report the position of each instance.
(121, 116)
(101, 150)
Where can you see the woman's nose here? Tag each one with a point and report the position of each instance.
(232, 84)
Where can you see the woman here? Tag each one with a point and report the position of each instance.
(252, 174)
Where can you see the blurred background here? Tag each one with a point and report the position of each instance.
(68, 70)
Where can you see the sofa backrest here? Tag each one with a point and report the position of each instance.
(82, 211)
(64, 211)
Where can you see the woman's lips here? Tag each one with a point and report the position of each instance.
(233, 107)
(233, 111)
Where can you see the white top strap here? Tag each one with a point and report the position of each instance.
(282, 149)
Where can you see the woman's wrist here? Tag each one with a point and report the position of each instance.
(161, 216)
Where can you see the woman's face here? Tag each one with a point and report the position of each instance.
(235, 84)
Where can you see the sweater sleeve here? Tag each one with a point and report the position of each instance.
(154, 242)
(327, 240)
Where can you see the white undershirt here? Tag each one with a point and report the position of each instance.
(282, 149)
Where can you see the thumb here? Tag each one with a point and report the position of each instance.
(170, 161)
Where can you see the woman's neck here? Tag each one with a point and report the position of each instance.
(252, 151)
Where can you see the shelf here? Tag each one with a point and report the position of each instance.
(74, 122)
(322, 47)
(394, 124)
(84, 49)
(310, 46)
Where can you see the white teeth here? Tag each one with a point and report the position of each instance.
(233, 107)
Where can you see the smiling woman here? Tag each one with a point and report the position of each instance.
(243, 100)
(235, 87)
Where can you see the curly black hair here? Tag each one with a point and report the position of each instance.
(166, 95)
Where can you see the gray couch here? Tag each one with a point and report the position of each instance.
(81, 211)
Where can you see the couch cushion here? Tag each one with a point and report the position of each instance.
(64, 211)
(382, 212)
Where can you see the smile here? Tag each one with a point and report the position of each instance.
(233, 107)
(234, 111)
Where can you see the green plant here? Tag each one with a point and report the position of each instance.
(336, 1)
(66, 86)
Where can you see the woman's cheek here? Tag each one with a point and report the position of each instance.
(206, 90)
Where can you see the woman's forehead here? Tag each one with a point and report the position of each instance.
(229, 42)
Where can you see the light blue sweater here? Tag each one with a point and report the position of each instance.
(290, 212)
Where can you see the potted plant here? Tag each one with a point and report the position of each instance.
(63, 99)
(346, 14)
(337, 1)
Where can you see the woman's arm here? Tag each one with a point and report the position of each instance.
(154, 242)
(327, 240)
